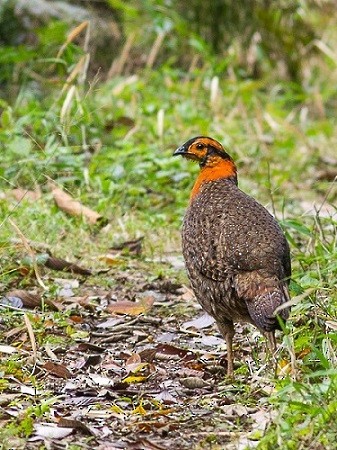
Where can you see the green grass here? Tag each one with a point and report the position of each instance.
(109, 151)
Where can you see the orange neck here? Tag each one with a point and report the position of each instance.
(221, 169)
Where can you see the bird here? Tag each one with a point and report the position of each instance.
(236, 254)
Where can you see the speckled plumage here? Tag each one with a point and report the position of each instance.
(236, 254)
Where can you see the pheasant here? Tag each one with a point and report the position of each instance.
(236, 255)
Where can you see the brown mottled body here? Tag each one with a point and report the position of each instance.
(236, 255)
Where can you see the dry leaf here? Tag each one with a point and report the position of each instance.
(110, 323)
(134, 364)
(11, 302)
(131, 308)
(25, 194)
(328, 174)
(65, 266)
(203, 321)
(59, 370)
(52, 431)
(165, 397)
(111, 259)
(29, 390)
(75, 424)
(65, 202)
(304, 352)
(139, 410)
(116, 409)
(171, 350)
(133, 247)
(29, 300)
(101, 381)
(193, 382)
(134, 379)
(211, 341)
(236, 410)
(8, 349)
(283, 368)
(5, 399)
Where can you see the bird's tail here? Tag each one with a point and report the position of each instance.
(262, 308)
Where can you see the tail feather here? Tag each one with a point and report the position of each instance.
(262, 309)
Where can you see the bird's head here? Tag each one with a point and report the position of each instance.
(213, 160)
(205, 150)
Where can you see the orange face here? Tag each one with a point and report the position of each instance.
(203, 149)
(214, 162)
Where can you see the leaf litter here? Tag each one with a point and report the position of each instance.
(136, 366)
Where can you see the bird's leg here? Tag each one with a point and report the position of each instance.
(271, 344)
(226, 328)
(271, 341)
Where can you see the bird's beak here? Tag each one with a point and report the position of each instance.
(182, 150)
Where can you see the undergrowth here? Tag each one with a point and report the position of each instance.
(110, 146)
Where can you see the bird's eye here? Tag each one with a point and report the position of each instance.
(200, 146)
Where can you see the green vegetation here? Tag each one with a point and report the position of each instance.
(108, 140)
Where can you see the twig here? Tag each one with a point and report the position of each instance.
(32, 338)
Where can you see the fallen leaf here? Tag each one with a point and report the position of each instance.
(5, 399)
(110, 323)
(101, 381)
(66, 266)
(131, 247)
(131, 308)
(134, 368)
(139, 410)
(11, 301)
(29, 390)
(328, 174)
(331, 324)
(203, 321)
(116, 409)
(74, 424)
(235, 409)
(148, 355)
(166, 337)
(8, 349)
(193, 382)
(111, 260)
(261, 418)
(122, 121)
(25, 194)
(133, 362)
(51, 355)
(84, 346)
(165, 397)
(283, 368)
(29, 299)
(171, 350)
(211, 340)
(65, 202)
(58, 370)
(52, 431)
(134, 379)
